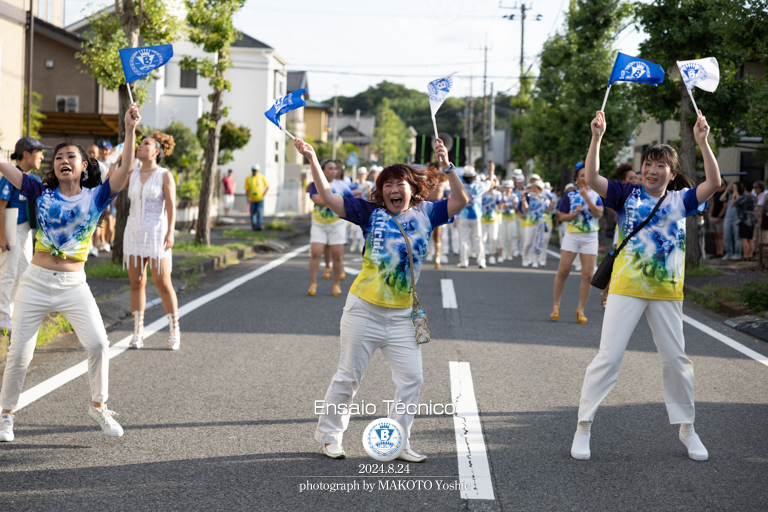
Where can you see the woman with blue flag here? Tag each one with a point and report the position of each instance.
(69, 204)
(378, 311)
(647, 277)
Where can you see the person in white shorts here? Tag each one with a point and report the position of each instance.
(580, 209)
(327, 230)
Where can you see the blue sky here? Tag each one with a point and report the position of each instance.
(348, 45)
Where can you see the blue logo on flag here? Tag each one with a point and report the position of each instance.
(693, 74)
(284, 105)
(439, 89)
(139, 62)
(631, 69)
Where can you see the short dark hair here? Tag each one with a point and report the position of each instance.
(622, 171)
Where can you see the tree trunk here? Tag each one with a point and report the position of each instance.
(131, 21)
(688, 168)
(203, 227)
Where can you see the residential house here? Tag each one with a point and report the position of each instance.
(357, 130)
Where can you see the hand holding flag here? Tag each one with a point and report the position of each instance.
(140, 62)
(289, 102)
(632, 69)
(701, 73)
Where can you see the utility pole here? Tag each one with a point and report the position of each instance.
(471, 127)
(30, 50)
(511, 17)
(335, 120)
(484, 135)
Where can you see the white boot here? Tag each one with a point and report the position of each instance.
(138, 330)
(174, 336)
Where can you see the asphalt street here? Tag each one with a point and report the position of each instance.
(227, 422)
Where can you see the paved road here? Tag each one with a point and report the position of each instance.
(227, 422)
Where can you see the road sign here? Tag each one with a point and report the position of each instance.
(352, 159)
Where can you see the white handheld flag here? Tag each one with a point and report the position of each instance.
(438, 91)
(701, 73)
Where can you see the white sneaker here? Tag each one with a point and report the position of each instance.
(352, 247)
(430, 257)
(411, 456)
(526, 263)
(444, 258)
(93, 251)
(577, 268)
(501, 259)
(6, 427)
(580, 447)
(535, 264)
(103, 417)
(515, 255)
(481, 265)
(105, 247)
(333, 450)
(693, 444)
(462, 265)
(491, 260)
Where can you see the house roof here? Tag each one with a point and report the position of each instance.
(58, 34)
(247, 41)
(354, 130)
(298, 80)
(317, 104)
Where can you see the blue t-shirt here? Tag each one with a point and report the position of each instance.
(475, 191)
(385, 279)
(323, 214)
(585, 221)
(15, 198)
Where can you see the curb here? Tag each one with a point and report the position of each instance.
(744, 318)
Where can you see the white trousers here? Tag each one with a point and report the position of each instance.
(364, 328)
(455, 236)
(43, 291)
(543, 254)
(491, 237)
(469, 229)
(666, 320)
(508, 238)
(529, 236)
(16, 261)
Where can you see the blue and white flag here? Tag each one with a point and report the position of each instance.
(631, 69)
(438, 91)
(701, 73)
(139, 62)
(284, 105)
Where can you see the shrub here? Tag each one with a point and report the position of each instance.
(754, 294)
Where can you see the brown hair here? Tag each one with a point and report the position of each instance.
(434, 174)
(622, 171)
(418, 180)
(667, 154)
(164, 143)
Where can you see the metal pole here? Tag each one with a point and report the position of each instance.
(470, 127)
(485, 103)
(335, 119)
(31, 28)
(522, 40)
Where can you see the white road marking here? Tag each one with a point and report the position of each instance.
(449, 294)
(70, 374)
(553, 253)
(760, 358)
(353, 271)
(474, 470)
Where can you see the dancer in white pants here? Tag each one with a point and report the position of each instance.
(508, 227)
(490, 221)
(15, 257)
(548, 221)
(377, 314)
(68, 206)
(535, 206)
(579, 211)
(648, 277)
(468, 219)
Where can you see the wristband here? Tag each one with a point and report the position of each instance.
(449, 170)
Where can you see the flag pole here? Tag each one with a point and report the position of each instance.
(434, 124)
(695, 108)
(130, 96)
(606, 98)
(289, 134)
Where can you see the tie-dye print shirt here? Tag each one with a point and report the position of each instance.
(491, 200)
(537, 208)
(652, 264)
(323, 214)
(66, 224)
(585, 221)
(475, 190)
(510, 206)
(386, 276)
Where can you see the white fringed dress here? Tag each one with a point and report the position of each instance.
(147, 221)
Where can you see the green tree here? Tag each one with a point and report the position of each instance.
(109, 30)
(684, 30)
(573, 77)
(233, 137)
(211, 27)
(37, 116)
(390, 138)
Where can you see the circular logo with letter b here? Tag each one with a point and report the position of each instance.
(384, 439)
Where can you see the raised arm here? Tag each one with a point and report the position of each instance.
(592, 163)
(711, 170)
(11, 172)
(119, 178)
(333, 201)
(460, 198)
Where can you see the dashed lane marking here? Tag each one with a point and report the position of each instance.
(449, 294)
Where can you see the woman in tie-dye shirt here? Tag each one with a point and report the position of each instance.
(648, 278)
(69, 204)
(378, 309)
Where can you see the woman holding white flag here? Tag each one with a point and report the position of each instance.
(647, 277)
(378, 309)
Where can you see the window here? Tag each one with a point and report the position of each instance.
(277, 160)
(277, 146)
(188, 79)
(66, 103)
(279, 85)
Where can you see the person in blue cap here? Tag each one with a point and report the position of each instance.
(28, 154)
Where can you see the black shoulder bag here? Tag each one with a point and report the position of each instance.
(603, 273)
